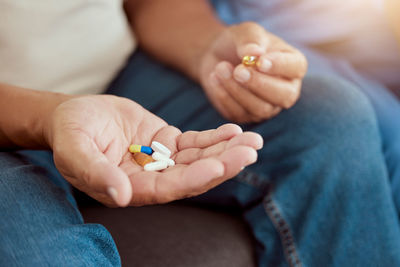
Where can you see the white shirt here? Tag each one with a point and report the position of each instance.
(70, 46)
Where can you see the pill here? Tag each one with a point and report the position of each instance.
(158, 147)
(157, 156)
(139, 148)
(142, 159)
(249, 61)
(156, 166)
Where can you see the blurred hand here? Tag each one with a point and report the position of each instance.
(90, 137)
(251, 94)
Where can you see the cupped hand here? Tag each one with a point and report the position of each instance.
(90, 137)
(251, 94)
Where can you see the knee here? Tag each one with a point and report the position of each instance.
(333, 111)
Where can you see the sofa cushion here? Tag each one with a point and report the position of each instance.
(175, 235)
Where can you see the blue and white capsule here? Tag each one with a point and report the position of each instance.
(138, 148)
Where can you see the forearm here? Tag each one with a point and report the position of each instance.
(174, 31)
(23, 116)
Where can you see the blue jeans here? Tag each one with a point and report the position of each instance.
(319, 194)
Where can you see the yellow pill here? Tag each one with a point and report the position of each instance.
(134, 148)
(249, 61)
(138, 148)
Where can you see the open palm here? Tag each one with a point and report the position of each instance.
(90, 137)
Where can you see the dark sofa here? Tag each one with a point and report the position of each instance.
(175, 235)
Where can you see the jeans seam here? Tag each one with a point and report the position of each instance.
(283, 230)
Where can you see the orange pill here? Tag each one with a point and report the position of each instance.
(142, 158)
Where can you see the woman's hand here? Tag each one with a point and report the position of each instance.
(251, 94)
(90, 137)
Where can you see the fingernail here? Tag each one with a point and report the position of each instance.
(264, 65)
(223, 71)
(252, 48)
(242, 74)
(113, 193)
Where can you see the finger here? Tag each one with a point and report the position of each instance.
(175, 182)
(226, 104)
(236, 158)
(277, 91)
(224, 71)
(250, 39)
(86, 163)
(291, 65)
(168, 136)
(184, 181)
(190, 155)
(194, 139)
(252, 103)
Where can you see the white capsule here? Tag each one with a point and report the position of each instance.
(157, 156)
(158, 147)
(156, 166)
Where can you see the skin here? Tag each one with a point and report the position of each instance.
(90, 135)
(392, 8)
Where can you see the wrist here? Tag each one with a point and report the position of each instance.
(44, 119)
(205, 44)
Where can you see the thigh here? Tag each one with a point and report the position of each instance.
(41, 224)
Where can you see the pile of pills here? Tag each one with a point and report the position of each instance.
(153, 158)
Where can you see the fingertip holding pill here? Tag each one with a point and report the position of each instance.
(264, 64)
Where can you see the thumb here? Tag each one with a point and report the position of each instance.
(250, 39)
(104, 177)
(85, 162)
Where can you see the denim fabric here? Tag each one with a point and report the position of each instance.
(40, 222)
(319, 194)
(366, 52)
